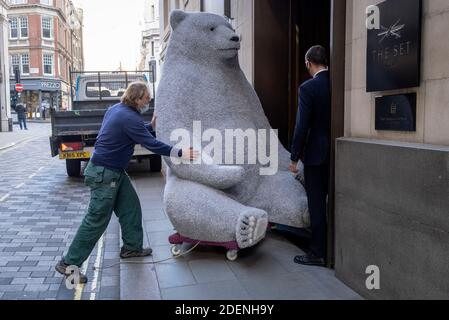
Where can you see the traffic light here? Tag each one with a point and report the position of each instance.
(153, 76)
(13, 100)
(17, 74)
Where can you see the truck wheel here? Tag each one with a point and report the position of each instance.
(73, 167)
(155, 163)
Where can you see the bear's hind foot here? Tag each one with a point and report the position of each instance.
(251, 227)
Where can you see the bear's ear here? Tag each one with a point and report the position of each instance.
(176, 17)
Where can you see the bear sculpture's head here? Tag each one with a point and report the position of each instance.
(203, 35)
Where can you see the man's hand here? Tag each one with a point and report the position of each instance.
(153, 122)
(190, 154)
(293, 167)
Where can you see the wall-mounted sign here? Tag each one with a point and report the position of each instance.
(50, 85)
(39, 85)
(394, 50)
(396, 113)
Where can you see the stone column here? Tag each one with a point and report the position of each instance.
(5, 103)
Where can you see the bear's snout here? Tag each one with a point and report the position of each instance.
(235, 39)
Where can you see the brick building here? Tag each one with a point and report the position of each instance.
(45, 41)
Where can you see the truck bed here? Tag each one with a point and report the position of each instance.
(79, 122)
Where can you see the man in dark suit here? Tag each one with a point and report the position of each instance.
(311, 143)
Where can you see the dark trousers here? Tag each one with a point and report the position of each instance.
(317, 183)
(24, 122)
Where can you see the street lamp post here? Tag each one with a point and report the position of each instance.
(152, 65)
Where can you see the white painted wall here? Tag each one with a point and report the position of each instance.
(214, 6)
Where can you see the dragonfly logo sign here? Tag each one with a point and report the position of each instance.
(393, 31)
(394, 45)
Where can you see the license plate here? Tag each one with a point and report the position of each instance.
(74, 155)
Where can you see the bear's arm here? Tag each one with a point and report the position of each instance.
(215, 176)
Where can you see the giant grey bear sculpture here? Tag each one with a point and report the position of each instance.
(202, 81)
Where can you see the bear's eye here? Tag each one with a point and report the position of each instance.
(212, 29)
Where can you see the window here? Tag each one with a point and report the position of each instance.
(25, 64)
(23, 27)
(20, 62)
(47, 28)
(13, 28)
(48, 64)
(59, 66)
(18, 1)
(153, 13)
(108, 89)
(15, 62)
(47, 2)
(18, 27)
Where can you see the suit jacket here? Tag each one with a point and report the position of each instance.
(313, 122)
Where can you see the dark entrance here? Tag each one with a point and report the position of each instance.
(283, 32)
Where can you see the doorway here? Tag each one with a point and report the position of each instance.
(283, 32)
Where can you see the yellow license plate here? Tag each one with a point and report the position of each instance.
(74, 155)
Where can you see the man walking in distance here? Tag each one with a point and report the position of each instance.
(311, 142)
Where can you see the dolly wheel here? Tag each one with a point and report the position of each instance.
(232, 255)
(175, 250)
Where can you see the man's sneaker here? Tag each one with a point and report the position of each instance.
(125, 253)
(61, 267)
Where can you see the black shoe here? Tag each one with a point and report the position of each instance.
(310, 260)
(61, 267)
(125, 253)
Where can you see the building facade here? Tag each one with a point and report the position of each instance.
(5, 106)
(150, 47)
(388, 203)
(45, 42)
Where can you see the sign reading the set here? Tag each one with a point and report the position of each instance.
(394, 50)
(396, 113)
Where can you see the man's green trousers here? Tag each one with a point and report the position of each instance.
(111, 191)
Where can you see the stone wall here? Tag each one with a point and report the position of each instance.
(242, 13)
(433, 93)
(392, 211)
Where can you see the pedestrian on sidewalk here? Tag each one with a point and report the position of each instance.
(111, 189)
(312, 141)
(21, 116)
(43, 112)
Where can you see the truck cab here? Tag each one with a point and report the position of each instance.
(74, 131)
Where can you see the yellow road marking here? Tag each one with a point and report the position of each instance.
(80, 287)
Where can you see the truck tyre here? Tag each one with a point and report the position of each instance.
(155, 163)
(73, 167)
